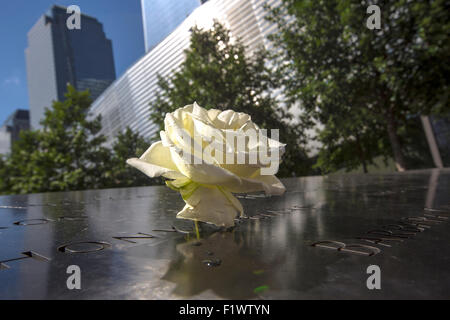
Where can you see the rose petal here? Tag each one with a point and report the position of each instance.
(229, 119)
(152, 170)
(159, 155)
(211, 205)
(270, 184)
(213, 113)
(204, 173)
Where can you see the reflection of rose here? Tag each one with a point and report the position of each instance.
(207, 185)
(241, 269)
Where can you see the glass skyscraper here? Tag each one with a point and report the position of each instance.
(57, 56)
(161, 17)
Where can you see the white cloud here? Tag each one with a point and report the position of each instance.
(14, 80)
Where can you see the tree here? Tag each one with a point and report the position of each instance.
(217, 73)
(349, 144)
(67, 154)
(354, 80)
(20, 174)
(4, 177)
(128, 145)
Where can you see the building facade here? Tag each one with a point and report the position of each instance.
(127, 101)
(57, 55)
(9, 132)
(161, 17)
(5, 141)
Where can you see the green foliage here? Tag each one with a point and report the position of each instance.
(4, 178)
(349, 145)
(128, 145)
(218, 74)
(363, 85)
(68, 153)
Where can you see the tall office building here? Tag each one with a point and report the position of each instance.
(126, 103)
(5, 141)
(9, 132)
(57, 55)
(161, 17)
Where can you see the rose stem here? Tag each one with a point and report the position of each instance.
(196, 230)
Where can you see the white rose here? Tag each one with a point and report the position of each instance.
(206, 180)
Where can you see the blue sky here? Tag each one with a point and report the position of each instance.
(122, 22)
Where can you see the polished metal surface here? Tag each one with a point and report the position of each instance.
(315, 241)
